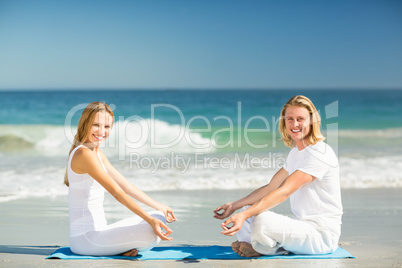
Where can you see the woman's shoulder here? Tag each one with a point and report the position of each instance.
(83, 153)
(102, 155)
(82, 159)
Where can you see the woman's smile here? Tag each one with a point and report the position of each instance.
(99, 138)
(100, 129)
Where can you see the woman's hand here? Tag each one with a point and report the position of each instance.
(232, 225)
(169, 214)
(158, 225)
(227, 208)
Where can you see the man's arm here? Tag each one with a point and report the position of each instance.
(252, 198)
(290, 185)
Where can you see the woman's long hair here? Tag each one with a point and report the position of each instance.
(314, 135)
(85, 124)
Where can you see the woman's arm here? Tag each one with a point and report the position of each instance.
(252, 198)
(135, 192)
(86, 161)
(292, 183)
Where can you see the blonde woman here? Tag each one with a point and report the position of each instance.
(309, 177)
(89, 174)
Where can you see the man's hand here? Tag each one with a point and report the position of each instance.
(232, 225)
(227, 211)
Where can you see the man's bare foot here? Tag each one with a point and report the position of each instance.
(235, 246)
(246, 250)
(131, 253)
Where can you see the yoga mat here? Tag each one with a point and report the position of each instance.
(194, 253)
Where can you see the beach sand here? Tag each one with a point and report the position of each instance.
(31, 229)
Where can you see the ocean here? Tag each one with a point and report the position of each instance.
(164, 140)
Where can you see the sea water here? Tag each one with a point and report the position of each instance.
(195, 139)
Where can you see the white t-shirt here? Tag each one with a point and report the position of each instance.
(319, 201)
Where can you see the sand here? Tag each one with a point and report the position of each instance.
(31, 229)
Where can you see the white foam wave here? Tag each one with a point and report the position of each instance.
(40, 180)
(363, 172)
(20, 183)
(371, 172)
(154, 137)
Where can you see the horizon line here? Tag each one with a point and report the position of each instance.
(191, 88)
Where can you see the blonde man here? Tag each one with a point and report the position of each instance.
(309, 177)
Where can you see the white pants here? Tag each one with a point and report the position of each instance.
(117, 238)
(269, 233)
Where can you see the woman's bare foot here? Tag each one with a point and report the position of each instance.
(131, 253)
(235, 246)
(246, 250)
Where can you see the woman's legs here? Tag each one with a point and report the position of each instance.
(118, 238)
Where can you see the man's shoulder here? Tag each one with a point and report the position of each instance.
(323, 152)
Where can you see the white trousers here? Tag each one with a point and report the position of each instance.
(119, 237)
(270, 233)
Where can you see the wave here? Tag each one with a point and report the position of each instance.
(154, 137)
(387, 133)
(155, 156)
(144, 136)
(40, 139)
(11, 142)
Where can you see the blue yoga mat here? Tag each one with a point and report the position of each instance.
(194, 253)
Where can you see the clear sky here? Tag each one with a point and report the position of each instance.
(50, 44)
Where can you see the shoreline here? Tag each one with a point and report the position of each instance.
(31, 229)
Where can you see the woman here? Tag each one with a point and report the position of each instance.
(89, 173)
(310, 177)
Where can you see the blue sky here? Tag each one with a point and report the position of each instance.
(49, 44)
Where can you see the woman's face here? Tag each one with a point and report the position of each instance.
(100, 128)
(297, 121)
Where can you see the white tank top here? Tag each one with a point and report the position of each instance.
(85, 199)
